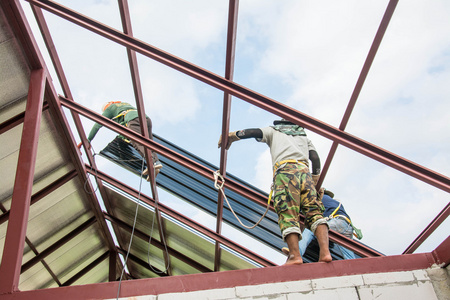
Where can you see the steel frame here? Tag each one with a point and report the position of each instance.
(230, 279)
(22, 198)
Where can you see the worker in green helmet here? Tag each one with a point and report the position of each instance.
(127, 115)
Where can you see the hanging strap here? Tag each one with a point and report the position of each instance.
(357, 232)
(123, 113)
(217, 175)
(287, 161)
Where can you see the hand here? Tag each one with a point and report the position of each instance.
(315, 178)
(232, 137)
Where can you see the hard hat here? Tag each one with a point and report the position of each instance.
(107, 104)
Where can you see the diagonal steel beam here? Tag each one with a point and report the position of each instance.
(185, 220)
(359, 84)
(132, 60)
(46, 266)
(438, 220)
(399, 163)
(180, 256)
(16, 120)
(44, 192)
(61, 118)
(57, 244)
(86, 269)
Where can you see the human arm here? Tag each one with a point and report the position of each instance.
(241, 134)
(108, 113)
(315, 161)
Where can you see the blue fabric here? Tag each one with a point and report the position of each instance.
(337, 224)
(330, 205)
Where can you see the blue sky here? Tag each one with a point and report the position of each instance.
(305, 54)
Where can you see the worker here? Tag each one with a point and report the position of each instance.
(127, 115)
(338, 220)
(293, 184)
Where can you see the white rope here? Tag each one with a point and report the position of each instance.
(217, 175)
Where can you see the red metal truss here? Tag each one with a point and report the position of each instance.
(229, 279)
(21, 197)
(229, 69)
(399, 163)
(40, 86)
(183, 219)
(359, 84)
(200, 169)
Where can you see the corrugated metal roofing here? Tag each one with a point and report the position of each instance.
(62, 213)
(200, 192)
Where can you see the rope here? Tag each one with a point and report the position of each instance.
(134, 224)
(217, 175)
(132, 233)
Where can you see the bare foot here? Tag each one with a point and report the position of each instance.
(292, 260)
(325, 256)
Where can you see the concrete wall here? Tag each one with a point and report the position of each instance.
(429, 284)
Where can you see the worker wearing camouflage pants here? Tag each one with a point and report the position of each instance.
(294, 185)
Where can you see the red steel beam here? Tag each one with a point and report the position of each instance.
(134, 70)
(426, 175)
(21, 197)
(232, 279)
(185, 220)
(16, 120)
(58, 244)
(438, 220)
(359, 84)
(198, 168)
(233, 8)
(142, 263)
(44, 192)
(61, 118)
(442, 253)
(86, 269)
(180, 256)
(46, 266)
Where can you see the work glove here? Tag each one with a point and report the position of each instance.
(232, 137)
(315, 178)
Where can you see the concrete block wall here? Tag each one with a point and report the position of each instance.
(429, 284)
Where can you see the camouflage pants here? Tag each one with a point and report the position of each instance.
(295, 192)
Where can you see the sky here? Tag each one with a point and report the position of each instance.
(305, 54)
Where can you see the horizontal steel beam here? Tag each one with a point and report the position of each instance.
(232, 279)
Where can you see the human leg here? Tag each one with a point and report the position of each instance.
(321, 234)
(294, 257)
(307, 238)
(344, 228)
(135, 126)
(313, 209)
(286, 205)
